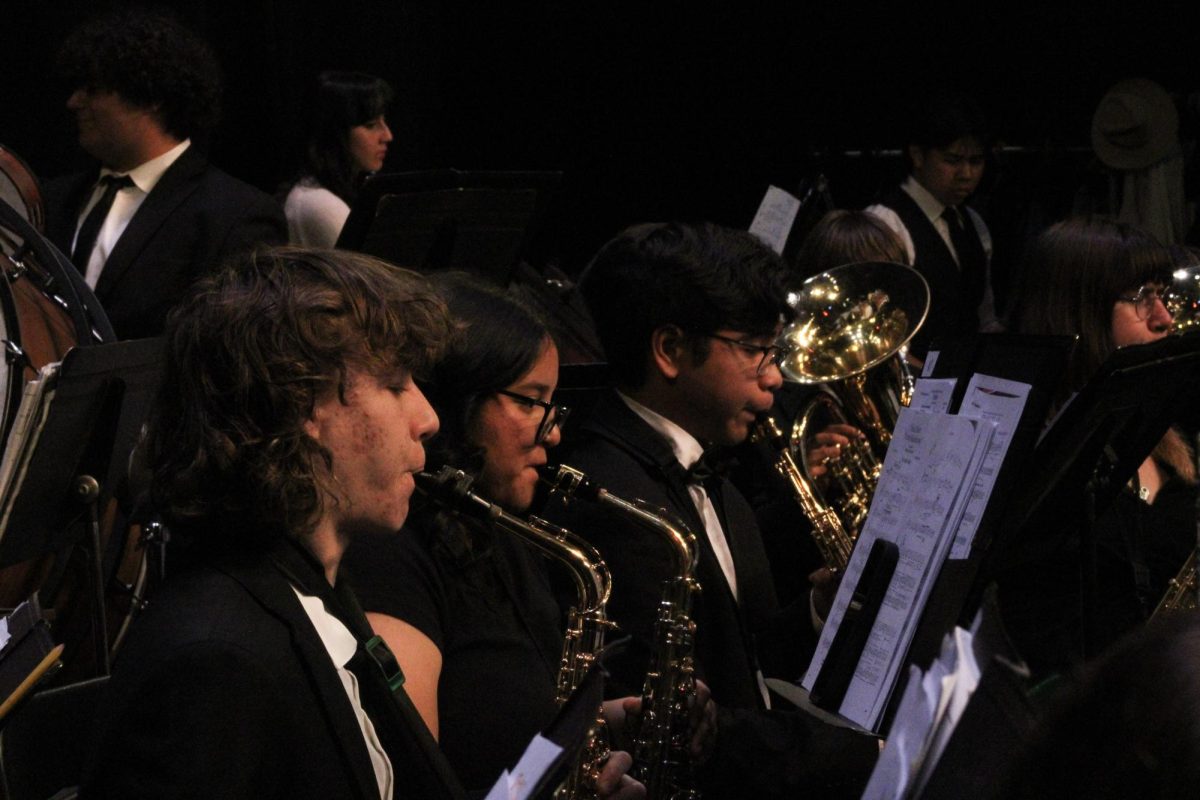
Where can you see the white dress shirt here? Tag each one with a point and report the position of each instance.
(932, 208)
(125, 204)
(342, 646)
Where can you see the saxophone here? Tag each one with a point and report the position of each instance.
(661, 758)
(1181, 591)
(586, 621)
(830, 536)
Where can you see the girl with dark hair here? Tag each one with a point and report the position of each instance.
(348, 138)
(845, 236)
(468, 609)
(1104, 280)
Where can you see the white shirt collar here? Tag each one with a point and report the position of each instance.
(146, 176)
(930, 206)
(337, 638)
(686, 447)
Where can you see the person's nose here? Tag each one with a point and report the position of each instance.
(553, 437)
(385, 134)
(76, 99)
(1160, 316)
(425, 420)
(771, 378)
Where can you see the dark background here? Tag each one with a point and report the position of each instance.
(652, 110)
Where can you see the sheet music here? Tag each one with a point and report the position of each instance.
(538, 757)
(775, 217)
(930, 362)
(914, 719)
(931, 463)
(27, 427)
(933, 394)
(1001, 402)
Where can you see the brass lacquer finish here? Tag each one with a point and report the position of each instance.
(1182, 299)
(586, 621)
(850, 333)
(661, 757)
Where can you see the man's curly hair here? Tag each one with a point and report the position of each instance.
(151, 61)
(248, 356)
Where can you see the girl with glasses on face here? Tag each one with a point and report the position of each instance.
(1104, 280)
(468, 609)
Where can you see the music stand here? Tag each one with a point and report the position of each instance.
(449, 219)
(1093, 449)
(102, 398)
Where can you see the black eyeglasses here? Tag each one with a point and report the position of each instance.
(1144, 299)
(552, 414)
(768, 354)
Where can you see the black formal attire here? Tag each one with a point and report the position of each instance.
(759, 753)
(225, 689)
(1139, 548)
(956, 286)
(195, 217)
(482, 597)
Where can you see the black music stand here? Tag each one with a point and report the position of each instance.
(82, 455)
(479, 222)
(1093, 449)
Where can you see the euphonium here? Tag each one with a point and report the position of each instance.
(1181, 592)
(829, 535)
(661, 756)
(851, 331)
(1182, 299)
(586, 621)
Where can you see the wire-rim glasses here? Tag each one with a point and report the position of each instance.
(1144, 298)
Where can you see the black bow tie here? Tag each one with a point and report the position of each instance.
(712, 465)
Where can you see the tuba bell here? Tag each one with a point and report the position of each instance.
(851, 331)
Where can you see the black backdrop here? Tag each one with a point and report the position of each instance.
(653, 110)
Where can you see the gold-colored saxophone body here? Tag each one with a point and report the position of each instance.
(661, 756)
(1181, 592)
(831, 537)
(850, 335)
(587, 624)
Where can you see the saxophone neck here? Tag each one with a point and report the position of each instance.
(571, 485)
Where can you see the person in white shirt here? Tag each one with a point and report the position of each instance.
(946, 241)
(154, 215)
(348, 138)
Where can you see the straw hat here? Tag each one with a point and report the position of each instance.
(1135, 125)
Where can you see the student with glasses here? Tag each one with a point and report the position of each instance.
(467, 609)
(1104, 280)
(688, 316)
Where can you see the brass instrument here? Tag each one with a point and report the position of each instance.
(661, 758)
(829, 535)
(1182, 299)
(1182, 591)
(586, 621)
(851, 332)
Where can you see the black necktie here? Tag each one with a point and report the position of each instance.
(86, 240)
(709, 469)
(971, 258)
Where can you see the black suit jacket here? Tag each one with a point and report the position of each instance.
(194, 218)
(760, 754)
(617, 449)
(225, 689)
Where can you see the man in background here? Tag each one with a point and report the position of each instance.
(154, 215)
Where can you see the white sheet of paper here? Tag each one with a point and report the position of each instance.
(918, 503)
(933, 394)
(905, 741)
(773, 221)
(3, 632)
(930, 362)
(516, 785)
(1000, 402)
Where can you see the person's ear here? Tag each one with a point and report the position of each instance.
(668, 349)
(916, 155)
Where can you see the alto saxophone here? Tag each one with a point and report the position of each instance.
(1181, 591)
(661, 757)
(830, 536)
(586, 621)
